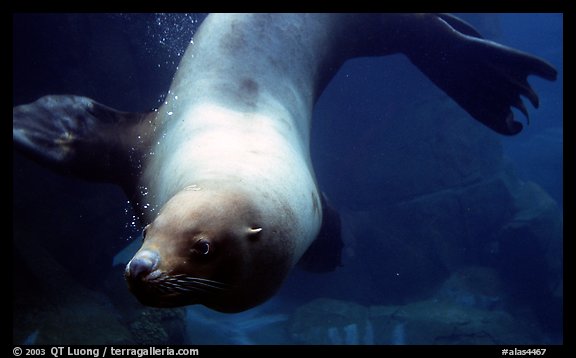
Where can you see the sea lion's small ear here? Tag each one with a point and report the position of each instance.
(254, 233)
(77, 136)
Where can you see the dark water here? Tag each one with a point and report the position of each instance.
(453, 233)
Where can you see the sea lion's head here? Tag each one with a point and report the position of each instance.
(213, 247)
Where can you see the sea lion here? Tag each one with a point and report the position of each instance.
(221, 172)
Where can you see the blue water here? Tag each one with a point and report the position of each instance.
(470, 227)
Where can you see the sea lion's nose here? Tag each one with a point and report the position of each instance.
(142, 264)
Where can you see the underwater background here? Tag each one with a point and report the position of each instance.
(453, 234)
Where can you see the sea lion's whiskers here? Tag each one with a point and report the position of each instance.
(201, 281)
(166, 287)
(160, 287)
(181, 283)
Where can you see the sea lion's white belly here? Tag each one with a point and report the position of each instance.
(264, 155)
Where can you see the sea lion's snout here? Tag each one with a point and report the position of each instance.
(142, 264)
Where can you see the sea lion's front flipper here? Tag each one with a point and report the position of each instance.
(325, 253)
(483, 77)
(77, 136)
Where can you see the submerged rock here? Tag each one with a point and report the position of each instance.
(475, 287)
(56, 308)
(53, 308)
(327, 321)
(404, 251)
(159, 326)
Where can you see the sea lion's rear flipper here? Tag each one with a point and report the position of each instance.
(325, 253)
(483, 77)
(77, 136)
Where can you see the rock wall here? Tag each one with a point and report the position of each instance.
(424, 190)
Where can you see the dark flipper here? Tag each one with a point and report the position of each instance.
(325, 253)
(483, 77)
(76, 136)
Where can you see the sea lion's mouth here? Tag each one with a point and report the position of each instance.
(161, 290)
(155, 287)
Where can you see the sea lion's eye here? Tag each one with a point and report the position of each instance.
(202, 247)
